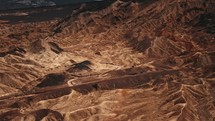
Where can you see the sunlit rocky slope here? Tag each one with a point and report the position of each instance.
(124, 60)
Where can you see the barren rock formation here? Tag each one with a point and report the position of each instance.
(113, 60)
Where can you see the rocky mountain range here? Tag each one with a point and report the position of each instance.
(20, 4)
(112, 60)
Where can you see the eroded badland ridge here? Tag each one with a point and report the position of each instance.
(139, 60)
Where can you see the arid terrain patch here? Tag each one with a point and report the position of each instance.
(113, 60)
